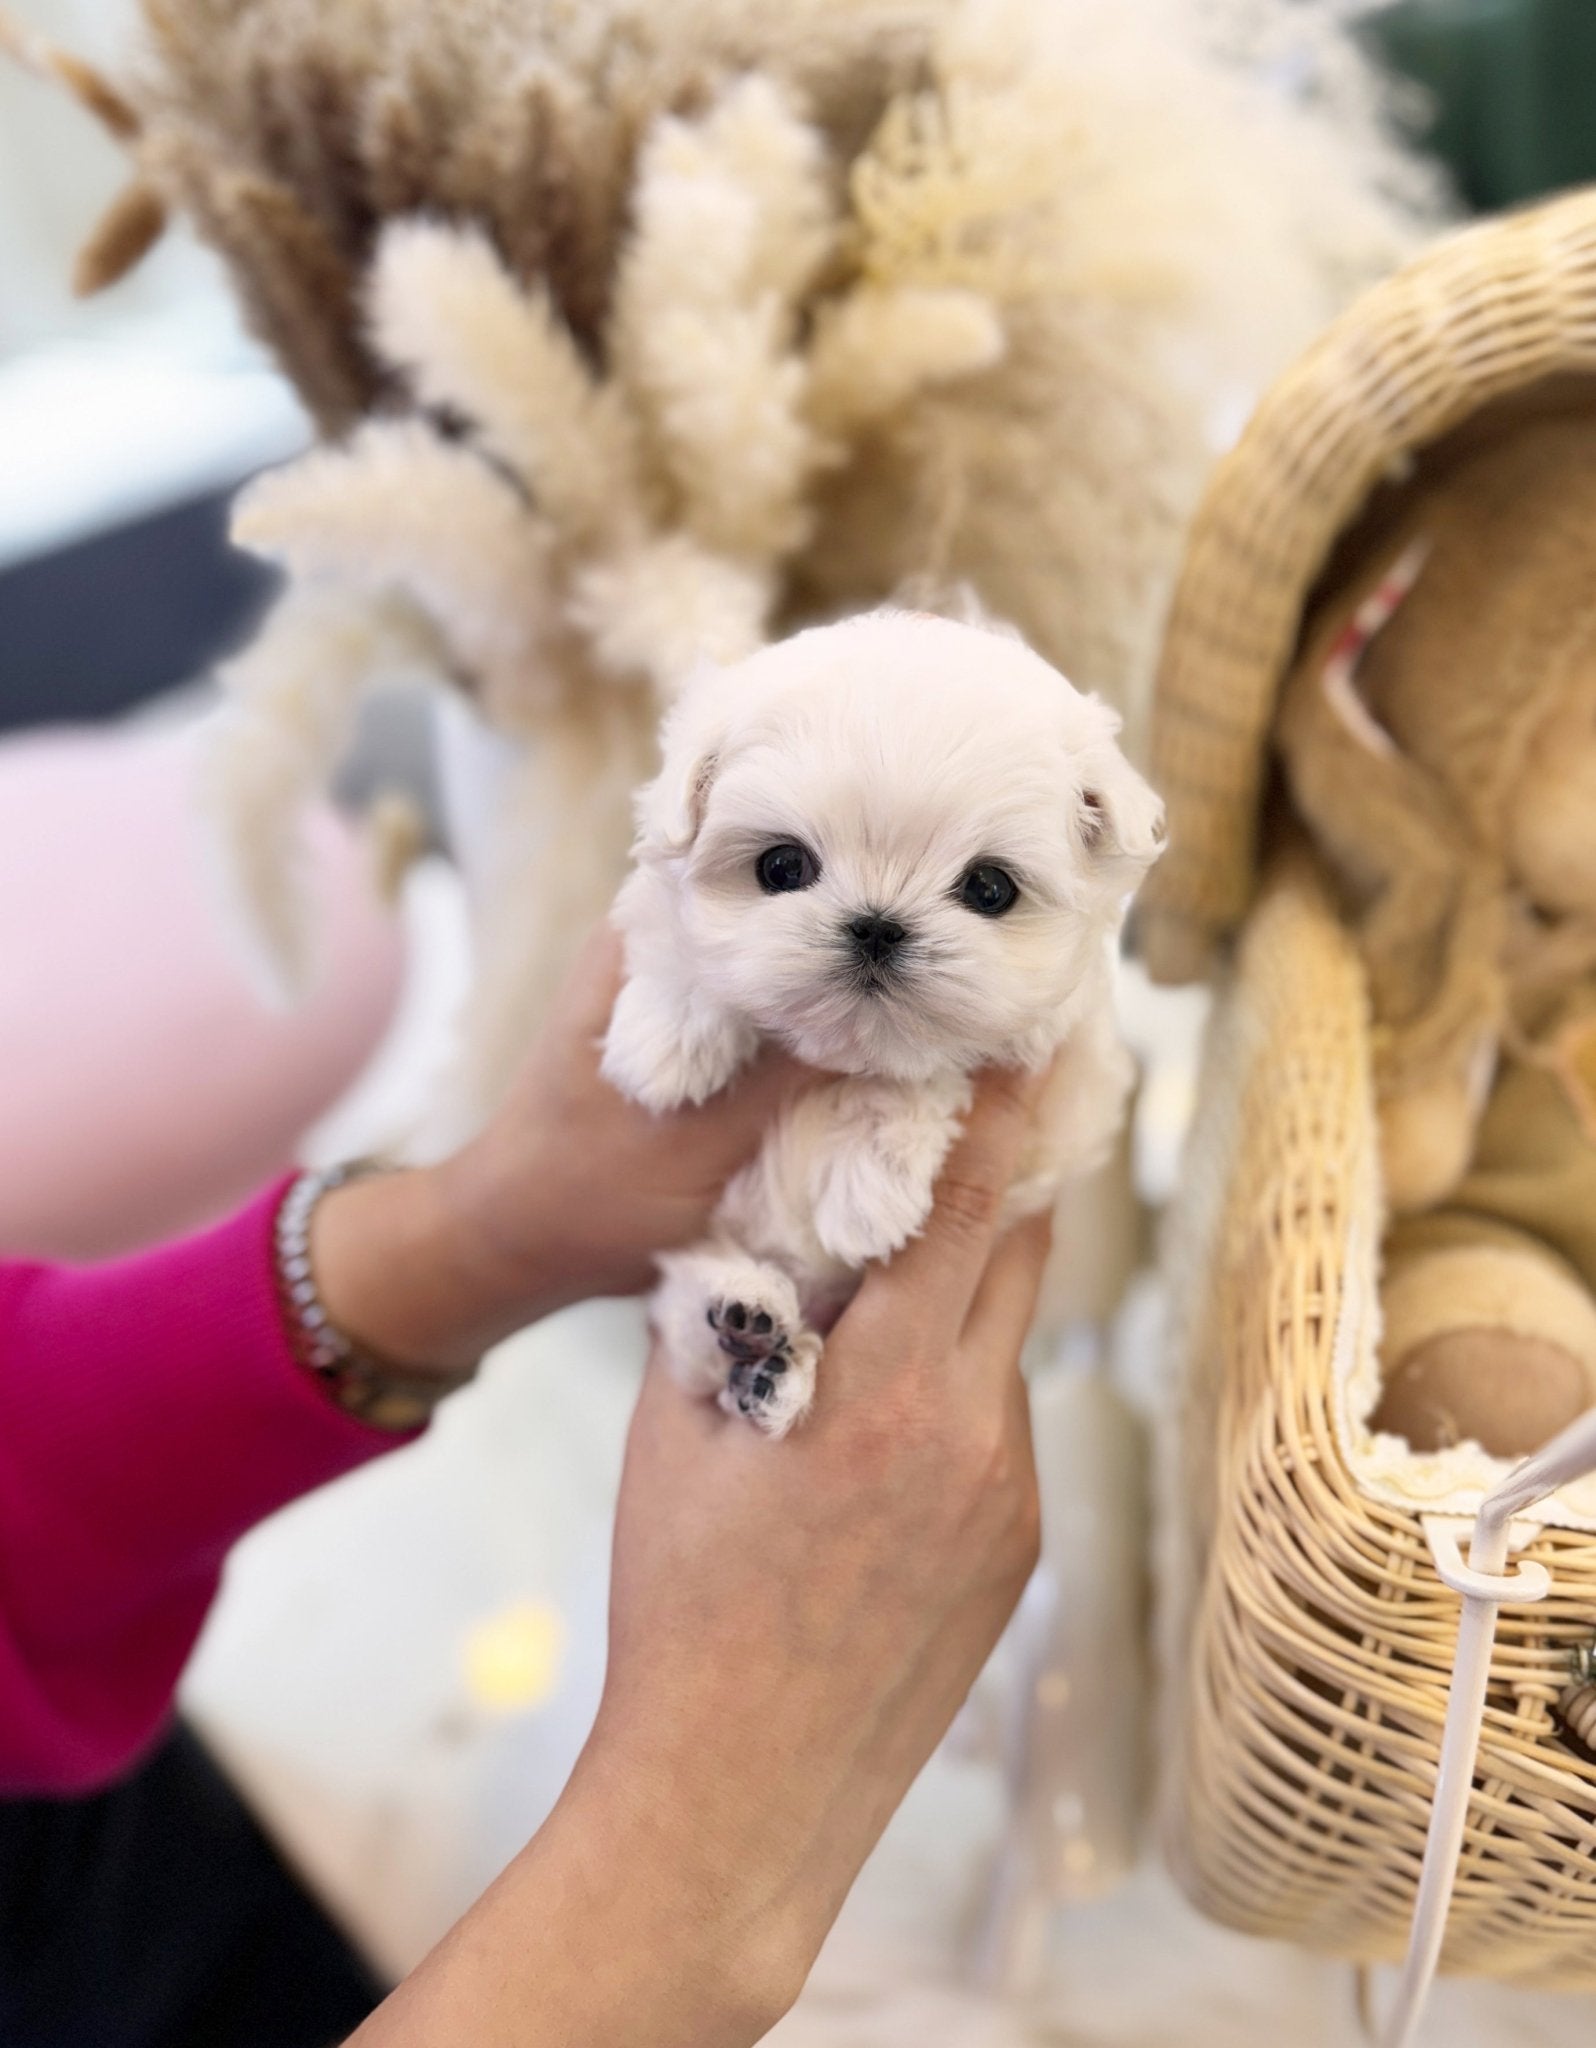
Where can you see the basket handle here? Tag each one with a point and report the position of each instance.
(1484, 1587)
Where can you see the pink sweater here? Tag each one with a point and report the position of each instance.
(150, 1412)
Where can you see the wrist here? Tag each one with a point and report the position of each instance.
(400, 1273)
(717, 1911)
(596, 1933)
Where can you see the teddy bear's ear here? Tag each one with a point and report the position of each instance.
(670, 809)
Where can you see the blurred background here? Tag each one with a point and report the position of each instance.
(400, 1671)
(127, 420)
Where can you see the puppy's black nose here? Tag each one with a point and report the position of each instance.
(875, 937)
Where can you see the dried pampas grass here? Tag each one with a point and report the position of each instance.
(640, 333)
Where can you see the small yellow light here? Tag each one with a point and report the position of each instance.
(1080, 1858)
(512, 1660)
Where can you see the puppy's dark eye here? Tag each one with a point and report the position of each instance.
(781, 869)
(988, 890)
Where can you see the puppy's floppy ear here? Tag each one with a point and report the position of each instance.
(1122, 818)
(670, 809)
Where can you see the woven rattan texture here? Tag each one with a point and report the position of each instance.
(1488, 312)
(1312, 1641)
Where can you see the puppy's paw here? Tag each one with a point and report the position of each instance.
(868, 1205)
(776, 1389)
(666, 1056)
(876, 1162)
(759, 1328)
(747, 1331)
(732, 1326)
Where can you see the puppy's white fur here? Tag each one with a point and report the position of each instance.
(900, 751)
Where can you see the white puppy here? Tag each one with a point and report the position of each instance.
(903, 848)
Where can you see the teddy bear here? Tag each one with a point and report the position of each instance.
(1437, 734)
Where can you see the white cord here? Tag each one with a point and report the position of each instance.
(1569, 1456)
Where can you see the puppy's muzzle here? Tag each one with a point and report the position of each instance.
(875, 939)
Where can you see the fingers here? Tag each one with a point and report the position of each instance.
(927, 1290)
(1005, 1301)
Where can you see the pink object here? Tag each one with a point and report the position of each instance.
(150, 1412)
(144, 1088)
(1339, 675)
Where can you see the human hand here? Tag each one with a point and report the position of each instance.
(567, 1193)
(792, 1629)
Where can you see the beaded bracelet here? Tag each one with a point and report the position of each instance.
(376, 1390)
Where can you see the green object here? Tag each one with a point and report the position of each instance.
(1514, 89)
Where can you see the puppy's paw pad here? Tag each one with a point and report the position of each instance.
(749, 1331)
(775, 1391)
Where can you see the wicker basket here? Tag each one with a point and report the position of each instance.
(1314, 1640)
(1309, 1637)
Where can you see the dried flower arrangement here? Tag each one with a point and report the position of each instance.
(638, 333)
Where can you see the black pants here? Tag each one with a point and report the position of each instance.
(157, 1915)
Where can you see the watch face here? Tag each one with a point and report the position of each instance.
(385, 1410)
(389, 1399)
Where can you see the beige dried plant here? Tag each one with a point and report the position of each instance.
(639, 333)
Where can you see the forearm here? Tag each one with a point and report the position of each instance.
(619, 1922)
(151, 1410)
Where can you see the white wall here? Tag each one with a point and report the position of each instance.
(143, 395)
(57, 171)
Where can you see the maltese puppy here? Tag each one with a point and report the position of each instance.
(902, 847)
